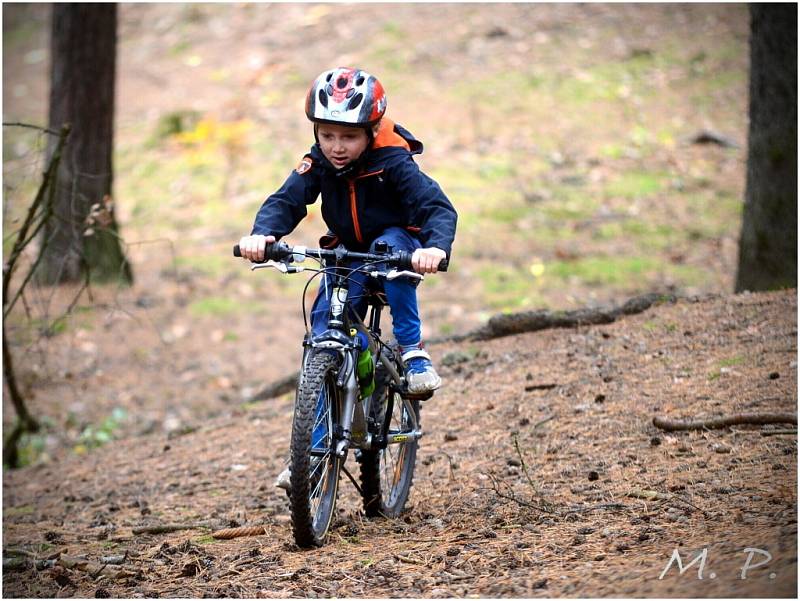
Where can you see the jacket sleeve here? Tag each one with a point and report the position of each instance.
(283, 210)
(427, 206)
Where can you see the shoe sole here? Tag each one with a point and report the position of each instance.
(423, 387)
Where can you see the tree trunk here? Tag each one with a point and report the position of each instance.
(768, 243)
(83, 54)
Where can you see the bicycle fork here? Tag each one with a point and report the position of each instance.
(352, 419)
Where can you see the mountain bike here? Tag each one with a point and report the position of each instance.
(336, 406)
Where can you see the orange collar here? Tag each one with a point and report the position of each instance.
(387, 137)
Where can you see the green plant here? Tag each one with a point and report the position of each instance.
(96, 435)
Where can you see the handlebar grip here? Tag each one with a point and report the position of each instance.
(405, 262)
(275, 251)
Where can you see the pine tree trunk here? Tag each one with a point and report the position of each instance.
(768, 243)
(83, 51)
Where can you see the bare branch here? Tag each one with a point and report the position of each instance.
(671, 425)
(46, 130)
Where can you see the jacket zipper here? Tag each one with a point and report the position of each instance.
(354, 210)
(354, 205)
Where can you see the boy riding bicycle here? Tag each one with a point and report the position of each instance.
(362, 165)
(371, 190)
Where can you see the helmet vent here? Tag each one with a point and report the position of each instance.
(347, 96)
(355, 101)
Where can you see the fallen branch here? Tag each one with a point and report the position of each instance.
(792, 432)
(587, 508)
(93, 568)
(509, 324)
(543, 422)
(114, 560)
(277, 388)
(530, 321)
(550, 508)
(653, 495)
(648, 495)
(228, 533)
(164, 528)
(532, 387)
(671, 425)
(406, 559)
(512, 497)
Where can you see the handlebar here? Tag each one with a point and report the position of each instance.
(279, 251)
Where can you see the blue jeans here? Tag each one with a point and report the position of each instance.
(400, 293)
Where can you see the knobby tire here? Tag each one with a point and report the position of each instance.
(314, 479)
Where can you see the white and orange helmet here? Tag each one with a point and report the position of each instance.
(345, 96)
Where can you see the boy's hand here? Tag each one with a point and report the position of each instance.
(252, 247)
(426, 260)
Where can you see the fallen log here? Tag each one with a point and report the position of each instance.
(531, 321)
(510, 324)
(277, 388)
(671, 425)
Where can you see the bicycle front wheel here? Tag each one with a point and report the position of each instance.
(314, 467)
(387, 474)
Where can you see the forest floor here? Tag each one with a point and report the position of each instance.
(567, 515)
(566, 137)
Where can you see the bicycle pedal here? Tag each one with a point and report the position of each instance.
(420, 396)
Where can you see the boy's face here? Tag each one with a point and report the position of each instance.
(341, 144)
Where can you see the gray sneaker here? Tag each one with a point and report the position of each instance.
(284, 480)
(420, 374)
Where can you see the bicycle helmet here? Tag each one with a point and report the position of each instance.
(345, 96)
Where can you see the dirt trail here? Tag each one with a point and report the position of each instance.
(580, 403)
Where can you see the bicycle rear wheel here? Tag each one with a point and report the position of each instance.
(314, 467)
(387, 474)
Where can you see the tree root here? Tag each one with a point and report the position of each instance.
(671, 425)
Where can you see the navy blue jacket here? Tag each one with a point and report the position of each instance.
(388, 190)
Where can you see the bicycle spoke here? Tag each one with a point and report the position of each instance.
(322, 461)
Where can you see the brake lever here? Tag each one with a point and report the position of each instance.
(394, 274)
(279, 265)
